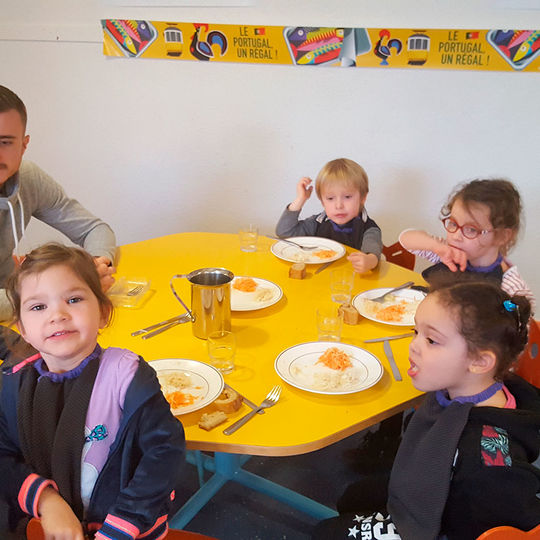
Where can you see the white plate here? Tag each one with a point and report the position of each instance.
(247, 301)
(206, 382)
(408, 295)
(298, 366)
(291, 253)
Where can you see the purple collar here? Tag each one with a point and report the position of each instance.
(444, 401)
(346, 227)
(485, 269)
(72, 374)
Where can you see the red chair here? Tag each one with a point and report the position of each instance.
(528, 365)
(35, 532)
(510, 533)
(175, 534)
(397, 254)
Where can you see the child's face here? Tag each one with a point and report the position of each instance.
(482, 250)
(13, 143)
(60, 317)
(438, 353)
(342, 202)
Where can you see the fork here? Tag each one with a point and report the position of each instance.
(135, 291)
(270, 400)
(305, 248)
(296, 244)
(380, 299)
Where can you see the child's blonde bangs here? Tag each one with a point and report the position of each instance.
(342, 172)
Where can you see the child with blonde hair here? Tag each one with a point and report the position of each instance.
(342, 187)
(87, 440)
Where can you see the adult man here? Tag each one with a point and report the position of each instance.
(26, 191)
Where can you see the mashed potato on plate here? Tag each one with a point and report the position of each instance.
(393, 309)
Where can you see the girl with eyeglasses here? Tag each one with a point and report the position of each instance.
(482, 221)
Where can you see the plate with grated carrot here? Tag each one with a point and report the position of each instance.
(251, 293)
(327, 367)
(326, 250)
(398, 308)
(187, 385)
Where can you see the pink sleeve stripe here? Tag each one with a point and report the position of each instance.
(122, 525)
(29, 360)
(159, 522)
(30, 491)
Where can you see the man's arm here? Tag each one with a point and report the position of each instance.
(45, 199)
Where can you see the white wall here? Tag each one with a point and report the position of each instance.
(158, 146)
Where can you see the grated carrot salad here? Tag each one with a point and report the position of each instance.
(392, 313)
(179, 399)
(324, 253)
(335, 358)
(245, 284)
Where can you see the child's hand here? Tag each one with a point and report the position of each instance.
(303, 193)
(454, 258)
(57, 518)
(363, 262)
(105, 271)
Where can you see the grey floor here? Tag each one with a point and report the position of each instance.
(238, 513)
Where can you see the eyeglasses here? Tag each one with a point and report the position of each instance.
(468, 231)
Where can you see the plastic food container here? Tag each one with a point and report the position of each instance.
(128, 292)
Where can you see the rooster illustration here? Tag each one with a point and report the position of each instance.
(202, 49)
(383, 50)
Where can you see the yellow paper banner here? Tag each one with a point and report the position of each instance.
(491, 50)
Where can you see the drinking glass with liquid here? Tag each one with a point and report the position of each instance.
(221, 350)
(248, 238)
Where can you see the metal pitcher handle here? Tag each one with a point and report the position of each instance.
(177, 276)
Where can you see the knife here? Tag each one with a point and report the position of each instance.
(245, 399)
(321, 268)
(391, 361)
(388, 338)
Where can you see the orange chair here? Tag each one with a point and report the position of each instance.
(35, 532)
(397, 254)
(510, 533)
(528, 365)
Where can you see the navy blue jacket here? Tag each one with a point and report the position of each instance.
(133, 490)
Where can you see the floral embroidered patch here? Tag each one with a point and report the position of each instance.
(495, 450)
(97, 434)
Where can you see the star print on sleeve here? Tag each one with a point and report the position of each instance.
(373, 527)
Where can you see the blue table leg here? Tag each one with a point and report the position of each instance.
(229, 467)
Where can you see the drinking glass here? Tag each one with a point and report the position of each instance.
(248, 238)
(341, 285)
(221, 350)
(329, 323)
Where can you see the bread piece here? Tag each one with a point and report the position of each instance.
(229, 401)
(350, 315)
(209, 421)
(297, 271)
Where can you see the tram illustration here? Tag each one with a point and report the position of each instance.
(174, 41)
(418, 49)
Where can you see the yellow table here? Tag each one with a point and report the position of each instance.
(302, 421)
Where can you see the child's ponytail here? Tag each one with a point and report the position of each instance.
(519, 309)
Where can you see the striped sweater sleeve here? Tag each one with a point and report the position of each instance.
(116, 528)
(514, 284)
(30, 491)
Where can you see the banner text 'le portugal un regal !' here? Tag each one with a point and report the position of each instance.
(490, 50)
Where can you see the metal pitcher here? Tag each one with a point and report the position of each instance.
(210, 300)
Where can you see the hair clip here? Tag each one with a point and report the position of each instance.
(509, 305)
(511, 308)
